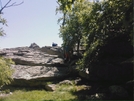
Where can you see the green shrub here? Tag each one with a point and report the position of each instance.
(5, 71)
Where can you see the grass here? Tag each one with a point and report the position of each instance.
(62, 93)
(37, 95)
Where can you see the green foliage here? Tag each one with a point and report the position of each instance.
(6, 91)
(73, 31)
(5, 71)
(106, 21)
(67, 88)
(66, 5)
(95, 23)
(2, 32)
(3, 22)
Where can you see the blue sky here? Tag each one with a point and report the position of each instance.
(33, 21)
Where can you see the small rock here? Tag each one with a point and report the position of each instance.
(10, 93)
(77, 81)
(34, 46)
(68, 82)
(50, 87)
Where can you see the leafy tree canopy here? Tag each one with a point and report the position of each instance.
(94, 23)
(107, 20)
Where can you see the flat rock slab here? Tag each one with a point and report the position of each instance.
(31, 57)
(34, 66)
(36, 75)
(35, 72)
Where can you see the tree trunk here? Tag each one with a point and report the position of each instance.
(63, 23)
(78, 45)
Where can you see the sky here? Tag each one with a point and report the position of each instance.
(34, 21)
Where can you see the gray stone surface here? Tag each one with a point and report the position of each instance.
(35, 72)
(50, 87)
(34, 46)
(34, 66)
(67, 82)
(53, 50)
(29, 56)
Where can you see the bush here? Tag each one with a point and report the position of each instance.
(5, 71)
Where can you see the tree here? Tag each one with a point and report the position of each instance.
(107, 20)
(73, 31)
(96, 24)
(65, 6)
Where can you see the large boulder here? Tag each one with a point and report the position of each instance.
(33, 67)
(36, 75)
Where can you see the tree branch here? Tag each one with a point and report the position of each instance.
(14, 4)
(6, 5)
(58, 3)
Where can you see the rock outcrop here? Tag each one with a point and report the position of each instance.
(34, 46)
(56, 50)
(34, 66)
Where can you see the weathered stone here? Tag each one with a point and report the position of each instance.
(52, 50)
(2, 53)
(28, 56)
(67, 82)
(50, 87)
(35, 72)
(32, 66)
(31, 74)
(34, 46)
